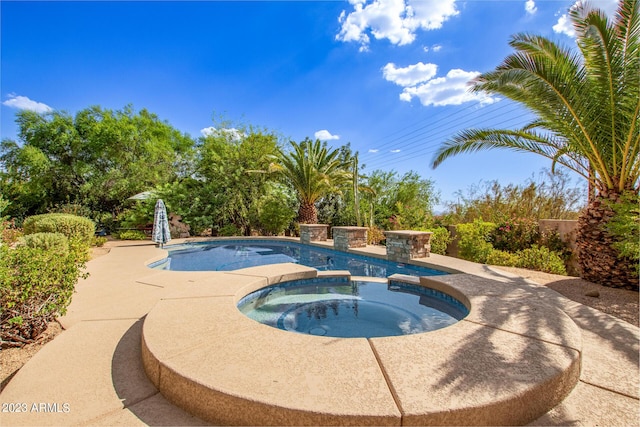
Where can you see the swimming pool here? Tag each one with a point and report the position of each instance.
(228, 255)
(342, 308)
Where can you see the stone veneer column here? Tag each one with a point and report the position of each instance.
(313, 233)
(403, 245)
(349, 237)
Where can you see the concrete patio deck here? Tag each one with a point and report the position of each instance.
(92, 374)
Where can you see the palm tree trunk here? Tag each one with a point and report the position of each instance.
(598, 260)
(307, 214)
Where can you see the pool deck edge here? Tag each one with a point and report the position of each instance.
(538, 373)
(95, 364)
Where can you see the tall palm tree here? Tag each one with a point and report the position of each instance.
(314, 172)
(586, 105)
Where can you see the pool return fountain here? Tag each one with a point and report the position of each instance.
(513, 358)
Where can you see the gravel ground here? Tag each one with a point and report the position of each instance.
(620, 303)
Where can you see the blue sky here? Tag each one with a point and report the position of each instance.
(387, 76)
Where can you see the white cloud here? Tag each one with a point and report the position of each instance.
(411, 75)
(325, 135)
(395, 151)
(233, 134)
(373, 150)
(394, 20)
(436, 47)
(24, 103)
(449, 90)
(530, 7)
(564, 24)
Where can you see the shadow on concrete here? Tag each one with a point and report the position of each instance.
(618, 337)
(139, 396)
(619, 334)
(504, 372)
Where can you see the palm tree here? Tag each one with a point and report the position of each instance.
(313, 171)
(586, 107)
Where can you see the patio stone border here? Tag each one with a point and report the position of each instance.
(511, 360)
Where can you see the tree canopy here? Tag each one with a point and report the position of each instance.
(98, 158)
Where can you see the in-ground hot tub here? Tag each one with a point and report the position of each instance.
(344, 308)
(512, 359)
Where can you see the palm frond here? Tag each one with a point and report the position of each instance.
(586, 102)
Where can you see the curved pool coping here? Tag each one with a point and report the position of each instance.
(512, 359)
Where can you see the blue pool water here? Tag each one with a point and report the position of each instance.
(235, 254)
(338, 307)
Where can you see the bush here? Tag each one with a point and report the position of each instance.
(276, 209)
(71, 208)
(515, 235)
(9, 233)
(497, 257)
(229, 230)
(36, 285)
(474, 240)
(99, 241)
(274, 216)
(375, 235)
(440, 240)
(551, 239)
(541, 258)
(131, 235)
(55, 242)
(72, 226)
(625, 227)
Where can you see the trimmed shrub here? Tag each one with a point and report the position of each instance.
(540, 258)
(99, 241)
(497, 257)
(56, 242)
(131, 235)
(440, 240)
(72, 226)
(36, 286)
(474, 240)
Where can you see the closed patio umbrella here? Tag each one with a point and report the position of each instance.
(161, 233)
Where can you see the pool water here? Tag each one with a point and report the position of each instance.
(233, 255)
(338, 307)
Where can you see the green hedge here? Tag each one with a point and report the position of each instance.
(131, 235)
(474, 240)
(56, 242)
(498, 257)
(474, 244)
(536, 257)
(440, 240)
(36, 286)
(541, 258)
(72, 226)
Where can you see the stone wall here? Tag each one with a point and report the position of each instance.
(403, 245)
(567, 230)
(349, 237)
(313, 233)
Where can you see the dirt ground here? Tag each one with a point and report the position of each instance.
(620, 303)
